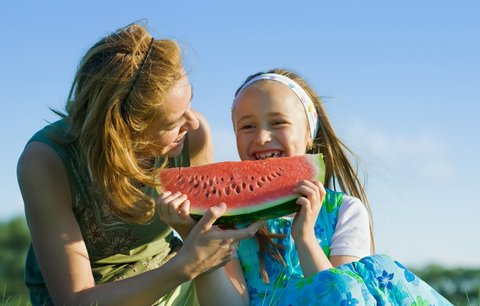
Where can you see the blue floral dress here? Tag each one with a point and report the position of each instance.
(374, 280)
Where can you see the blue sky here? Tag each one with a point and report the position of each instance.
(400, 81)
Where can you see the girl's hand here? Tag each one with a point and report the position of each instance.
(208, 247)
(312, 195)
(174, 210)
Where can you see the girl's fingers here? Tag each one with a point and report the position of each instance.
(174, 204)
(163, 195)
(307, 191)
(303, 201)
(168, 203)
(321, 188)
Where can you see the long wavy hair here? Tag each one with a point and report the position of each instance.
(118, 90)
(339, 167)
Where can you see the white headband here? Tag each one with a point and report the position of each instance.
(307, 103)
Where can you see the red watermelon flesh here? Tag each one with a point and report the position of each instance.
(252, 190)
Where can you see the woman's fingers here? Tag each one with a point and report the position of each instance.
(210, 216)
(243, 233)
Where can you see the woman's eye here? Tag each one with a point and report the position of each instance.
(171, 127)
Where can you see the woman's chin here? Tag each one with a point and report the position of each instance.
(175, 150)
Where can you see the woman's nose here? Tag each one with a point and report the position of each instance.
(192, 122)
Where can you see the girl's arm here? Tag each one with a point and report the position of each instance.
(351, 240)
(352, 234)
(61, 250)
(311, 256)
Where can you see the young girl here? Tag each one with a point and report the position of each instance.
(321, 255)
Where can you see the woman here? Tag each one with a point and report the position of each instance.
(87, 183)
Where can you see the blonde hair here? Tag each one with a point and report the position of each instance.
(338, 166)
(118, 88)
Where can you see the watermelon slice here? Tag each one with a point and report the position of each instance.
(253, 190)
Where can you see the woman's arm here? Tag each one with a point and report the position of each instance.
(223, 286)
(62, 254)
(200, 143)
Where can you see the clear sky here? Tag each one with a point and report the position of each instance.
(401, 81)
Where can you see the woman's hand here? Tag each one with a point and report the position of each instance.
(174, 210)
(312, 195)
(208, 247)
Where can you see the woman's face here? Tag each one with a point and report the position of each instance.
(167, 132)
(269, 121)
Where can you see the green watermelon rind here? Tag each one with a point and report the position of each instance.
(283, 209)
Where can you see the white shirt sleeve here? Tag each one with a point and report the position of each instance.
(352, 233)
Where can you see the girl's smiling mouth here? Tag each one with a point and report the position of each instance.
(267, 154)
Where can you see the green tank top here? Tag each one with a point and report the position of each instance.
(117, 249)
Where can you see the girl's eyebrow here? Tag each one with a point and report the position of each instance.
(245, 117)
(272, 114)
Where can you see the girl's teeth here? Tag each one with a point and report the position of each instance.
(267, 155)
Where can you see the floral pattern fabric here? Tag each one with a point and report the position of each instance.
(374, 280)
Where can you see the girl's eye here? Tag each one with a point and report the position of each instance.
(247, 127)
(279, 122)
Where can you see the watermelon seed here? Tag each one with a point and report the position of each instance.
(263, 179)
(202, 177)
(238, 189)
(232, 178)
(244, 185)
(195, 185)
(214, 190)
(274, 175)
(234, 185)
(259, 184)
(250, 187)
(279, 174)
(281, 169)
(222, 179)
(269, 178)
(227, 190)
(207, 194)
(252, 177)
(204, 185)
(210, 182)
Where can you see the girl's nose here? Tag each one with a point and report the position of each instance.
(263, 136)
